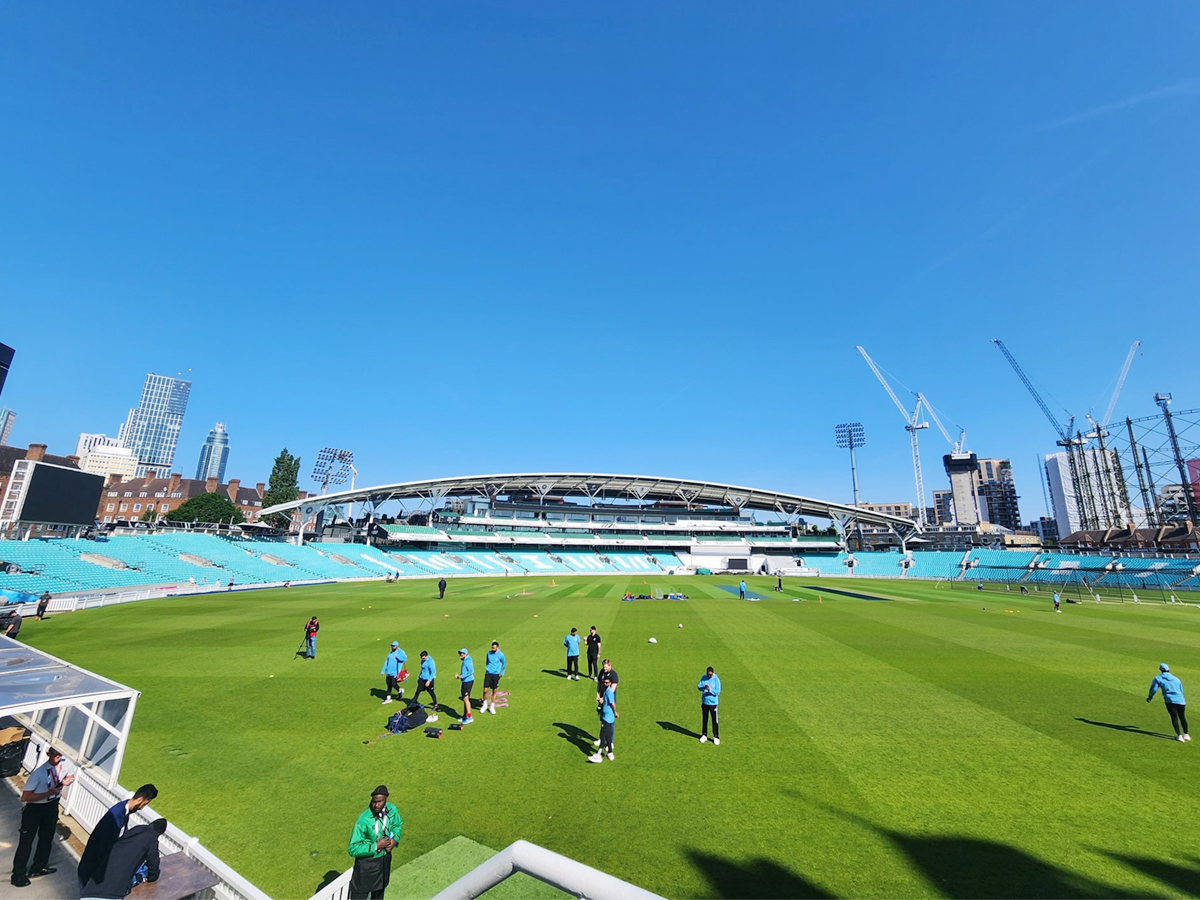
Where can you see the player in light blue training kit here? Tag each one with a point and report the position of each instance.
(466, 674)
(571, 642)
(425, 683)
(492, 670)
(1172, 689)
(742, 589)
(608, 724)
(392, 664)
(710, 692)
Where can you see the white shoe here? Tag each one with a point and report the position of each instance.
(386, 700)
(400, 694)
(595, 743)
(492, 709)
(704, 738)
(431, 719)
(1180, 738)
(610, 755)
(596, 758)
(1187, 737)
(716, 742)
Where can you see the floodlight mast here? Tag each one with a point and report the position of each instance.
(912, 424)
(849, 435)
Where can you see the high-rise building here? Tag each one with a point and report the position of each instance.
(962, 468)
(214, 455)
(152, 429)
(1100, 495)
(6, 358)
(998, 493)
(89, 442)
(7, 419)
(943, 508)
(108, 460)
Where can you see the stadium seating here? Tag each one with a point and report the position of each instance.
(1149, 573)
(1066, 568)
(414, 531)
(998, 565)
(878, 565)
(668, 561)
(538, 563)
(826, 563)
(585, 562)
(935, 564)
(487, 562)
(233, 559)
(631, 561)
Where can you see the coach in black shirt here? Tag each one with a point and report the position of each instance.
(593, 654)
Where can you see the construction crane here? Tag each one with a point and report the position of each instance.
(1066, 440)
(1112, 477)
(912, 424)
(959, 446)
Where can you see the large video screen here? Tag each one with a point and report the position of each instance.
(61, 496)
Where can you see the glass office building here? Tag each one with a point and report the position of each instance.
(214, 455)
(152, 429)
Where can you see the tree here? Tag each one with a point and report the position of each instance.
(216, 508)
(150, 515)
(283, 487)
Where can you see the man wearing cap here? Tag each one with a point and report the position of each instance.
(466, 674)
(425, 683)
(571, 642)
(38, 818)
(376, 834)
(392, 664)
(1172, 689)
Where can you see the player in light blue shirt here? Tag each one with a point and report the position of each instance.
(742, 589)
(425, 683)
(710, 692)
(571, 642)
(392, 664)
(495, 667)
(466, 674)
(1172, 691)
(608, 724)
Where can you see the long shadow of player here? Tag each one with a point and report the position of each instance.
(678, 729)
(577, 736)
(1131, 729)
(559, 673)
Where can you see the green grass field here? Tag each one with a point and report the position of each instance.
(950, 743)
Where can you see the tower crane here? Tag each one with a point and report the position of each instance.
(1070, 443)
(1112, 477)
(912, 424)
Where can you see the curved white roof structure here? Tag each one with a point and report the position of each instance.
(596, 488)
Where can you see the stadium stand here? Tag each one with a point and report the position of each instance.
(585, 562)
(935, 564)
(1141, 572)
(998, 565)
(414, 531)
(1064, 568)
(878, 565)
(631, 561)
(233, 559)
(826, 563)
(668, 561)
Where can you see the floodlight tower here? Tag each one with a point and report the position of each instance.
(850, 435)
(334, 467)
(912, 424)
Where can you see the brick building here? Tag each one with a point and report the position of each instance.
(129, 499)
(35, 453)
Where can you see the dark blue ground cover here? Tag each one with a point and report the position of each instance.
(826, 590)
(733, 589)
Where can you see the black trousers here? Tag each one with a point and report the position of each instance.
(426, 686)
(705, 713)
(607, 735)
(37, 821)
(593, 666)
(572, 666)
(1178, 717)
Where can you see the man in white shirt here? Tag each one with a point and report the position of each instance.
(39, 817)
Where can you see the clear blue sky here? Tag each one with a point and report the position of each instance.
(462, 238)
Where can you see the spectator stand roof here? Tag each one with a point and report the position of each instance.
(596, 487)
(85, 715)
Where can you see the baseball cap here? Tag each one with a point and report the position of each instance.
(464, 652)
(382, 789)
(395, 643)
(1163, 667)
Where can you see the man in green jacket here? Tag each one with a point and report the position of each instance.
(376, 834)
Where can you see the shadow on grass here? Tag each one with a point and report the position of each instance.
(763, 878)
(558, 673)
(1131, 729)
(964, 867)
(1183, 878)
(678, 729)
(577, 736)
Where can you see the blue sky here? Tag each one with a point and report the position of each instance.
(624, 237)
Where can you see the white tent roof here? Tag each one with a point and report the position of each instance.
(31, 679)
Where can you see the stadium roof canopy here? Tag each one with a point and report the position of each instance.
(600, 488)
(85, 715)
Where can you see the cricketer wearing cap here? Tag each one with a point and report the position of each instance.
(1172, 690)
(392, 664)
(375, 835)
(425, 683)
(466, 674)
